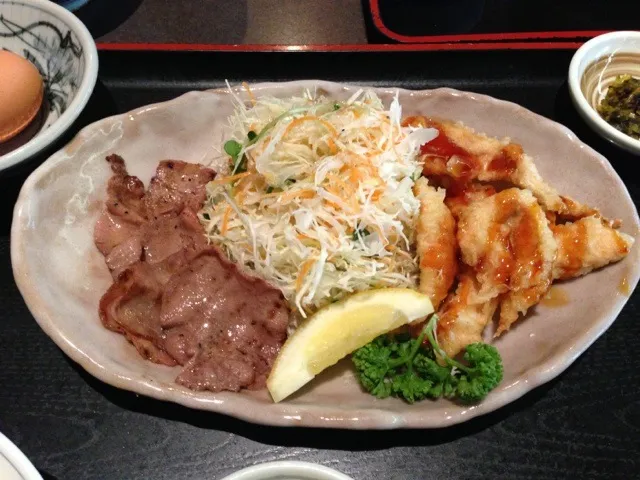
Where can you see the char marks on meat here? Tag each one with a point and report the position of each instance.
(209, 308)
(178, 300)
(177, 185)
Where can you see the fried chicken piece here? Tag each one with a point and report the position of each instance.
(464, 315)
(457, 199)
(587, 244)
(464, 155)
(436, 243)
(516, 303)
(515, 242)
(506, 239)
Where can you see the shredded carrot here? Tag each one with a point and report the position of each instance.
(346, 188)
(307, 118)
(231, 178)
(245, 184)
(225, 220)
(239, 197)
(329, 127)
(354, 175)
(332, 204)
(304, 269)
(249, 92)
(301, 193)
(332, 146)
(354, 204)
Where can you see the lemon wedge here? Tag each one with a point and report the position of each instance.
(337, 330)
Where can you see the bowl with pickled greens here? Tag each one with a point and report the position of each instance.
(620, 107)
(604, 80)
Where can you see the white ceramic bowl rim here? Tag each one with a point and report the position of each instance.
(291, 470)
(575, 77)
(89, 78)
(18, 460)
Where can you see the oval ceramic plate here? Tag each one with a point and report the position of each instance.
(62, 276)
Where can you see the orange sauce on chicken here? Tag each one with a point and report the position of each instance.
(621, 245)
(443, 155)
(443, 258)
(506, 262)
(524, 239)
(443, 147)
(506, 162)
(519, 253)
(573, 247)
(450, 311)
(531, 295)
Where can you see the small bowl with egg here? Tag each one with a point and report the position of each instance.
(604, 81)
(48, 69)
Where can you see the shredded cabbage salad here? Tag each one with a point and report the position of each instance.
(319, 199)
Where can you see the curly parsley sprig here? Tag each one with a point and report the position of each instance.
(403, 367)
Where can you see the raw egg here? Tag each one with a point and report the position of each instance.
(21, 94)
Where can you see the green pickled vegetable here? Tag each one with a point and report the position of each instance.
(621, 106)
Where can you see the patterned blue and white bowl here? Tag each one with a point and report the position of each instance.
(62, 48)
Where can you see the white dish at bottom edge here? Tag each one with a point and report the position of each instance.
(14, 465)
(287, 470)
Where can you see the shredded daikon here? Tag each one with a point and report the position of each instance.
(321, 204)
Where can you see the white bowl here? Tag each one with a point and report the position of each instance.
(13, 464)
(589, 85)
(63, 50)
(289, 470)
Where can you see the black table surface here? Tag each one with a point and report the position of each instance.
(225, 21)
(584, 424)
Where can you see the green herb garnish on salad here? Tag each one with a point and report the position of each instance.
(403, 367)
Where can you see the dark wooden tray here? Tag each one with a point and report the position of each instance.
(584, 424)
(497, 20)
